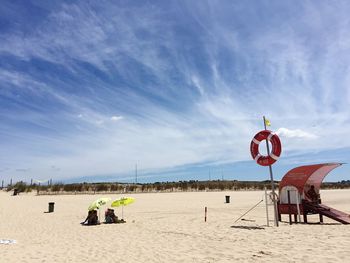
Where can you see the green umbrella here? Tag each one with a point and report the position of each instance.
(123, 202)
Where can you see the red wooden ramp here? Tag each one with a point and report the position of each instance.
(332, 213)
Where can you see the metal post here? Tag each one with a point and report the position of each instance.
(289, 208)
(136, 173)
(267, 209)
(298, 203)
(272, 182)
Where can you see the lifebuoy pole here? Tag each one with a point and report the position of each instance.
(272, 182)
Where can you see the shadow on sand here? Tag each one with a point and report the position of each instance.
(249, 227)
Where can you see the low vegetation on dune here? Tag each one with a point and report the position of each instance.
(181, 186)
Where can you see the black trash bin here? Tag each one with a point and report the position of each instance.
(51, 207)
(227, 197)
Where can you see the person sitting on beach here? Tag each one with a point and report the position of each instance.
(110, 217)
(87, 218)
(312, 195)
(92, 218)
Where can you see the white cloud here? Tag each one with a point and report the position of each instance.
(116, 118)
(284, 132)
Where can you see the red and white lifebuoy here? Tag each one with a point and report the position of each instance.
(275, 151)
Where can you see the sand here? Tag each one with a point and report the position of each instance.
(168, 227)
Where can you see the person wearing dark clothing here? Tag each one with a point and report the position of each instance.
(92, 218)
(110, 217)
(312, 195)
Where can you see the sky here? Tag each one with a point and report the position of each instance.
(91, 89)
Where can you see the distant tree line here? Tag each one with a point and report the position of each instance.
(192, 185)
(344, 184)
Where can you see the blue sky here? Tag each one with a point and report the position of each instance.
(90, 88)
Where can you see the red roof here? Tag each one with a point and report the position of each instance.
(307, 175)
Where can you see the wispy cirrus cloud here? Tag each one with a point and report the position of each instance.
(284, 132)
(100, 86)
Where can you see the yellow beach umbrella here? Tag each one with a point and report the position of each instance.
(98, 203)
(123, 202)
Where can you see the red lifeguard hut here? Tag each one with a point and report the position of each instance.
(294, 197)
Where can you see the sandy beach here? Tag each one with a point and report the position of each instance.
(168, 227)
